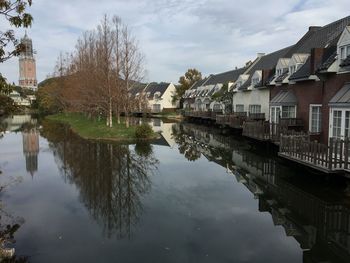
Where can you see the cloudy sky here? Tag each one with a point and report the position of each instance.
(210, 35)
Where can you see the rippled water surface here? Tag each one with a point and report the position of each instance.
(194, 195)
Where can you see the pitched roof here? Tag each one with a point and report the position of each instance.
(153, 87)
(320, 37)
(345, 62)
(342, 97)
(268, 61)
(199, 83)
(284, 98)
(329, 57)
(303, 72)
(225, 77)
(137, 89)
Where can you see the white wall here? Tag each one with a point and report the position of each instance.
(253, 97)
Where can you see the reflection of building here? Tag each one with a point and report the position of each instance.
(15, 122)
(31, 150)
(27, 67)
(315, 215)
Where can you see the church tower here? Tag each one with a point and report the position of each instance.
(27, 67)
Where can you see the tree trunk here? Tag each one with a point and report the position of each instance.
(110, 113)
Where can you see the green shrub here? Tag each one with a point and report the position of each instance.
(143, 131)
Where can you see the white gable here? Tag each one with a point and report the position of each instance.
(344, 38)
(282, 63)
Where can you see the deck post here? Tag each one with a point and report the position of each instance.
(330, 153)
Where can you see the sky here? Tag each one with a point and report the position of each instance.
(211, 35)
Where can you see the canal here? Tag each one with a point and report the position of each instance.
(196, 194)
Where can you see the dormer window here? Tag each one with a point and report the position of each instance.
(255, 81)
(292, 69)
(280, 72)
(344, 52)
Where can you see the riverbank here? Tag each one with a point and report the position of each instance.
(94, 129)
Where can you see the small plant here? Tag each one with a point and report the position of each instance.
(143, 131)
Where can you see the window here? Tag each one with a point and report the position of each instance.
(288, 111)
(217, 107)
(254, 108)
(337, 116)
(239, 108)
(279, 72)
(156, 108)
(239, 84)
(255, 81)
(315, 118)
(292, 69)
(344, 52)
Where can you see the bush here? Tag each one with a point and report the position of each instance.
(143, 131)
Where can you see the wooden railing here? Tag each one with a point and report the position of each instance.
(330, 158)
(266, 131)
(291, 122)
(201, 114)
(257, 116)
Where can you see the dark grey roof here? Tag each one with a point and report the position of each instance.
(153, 87)
(303, 72)
(342, 97)
(268, 61)
(284, 98)
(137, 89)
(320, 37)
(345, 62)
(329, 57)
(199, 83)
(280, 78)
(225, 77)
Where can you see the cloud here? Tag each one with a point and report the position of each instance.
(211, 35)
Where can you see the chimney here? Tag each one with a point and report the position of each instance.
(314, 28)
(259, 55)
(315, 59)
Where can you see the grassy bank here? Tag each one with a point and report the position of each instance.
(97, 129)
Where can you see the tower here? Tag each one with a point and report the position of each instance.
(27, 67)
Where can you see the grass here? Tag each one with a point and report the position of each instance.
(96, 129)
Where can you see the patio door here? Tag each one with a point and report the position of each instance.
(340, 123)
(275, 114)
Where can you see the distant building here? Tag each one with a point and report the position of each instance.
(31, 149)
(157, 96)
(27, 66)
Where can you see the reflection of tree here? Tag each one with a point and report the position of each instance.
(187, 147)
(9, 225)
(112, 178)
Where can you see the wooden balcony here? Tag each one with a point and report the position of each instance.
(201, 114)
(331, 158)
(256, 116)
(266, 131)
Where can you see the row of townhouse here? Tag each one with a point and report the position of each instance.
(297, 97)
(154, 97)
(307, 81)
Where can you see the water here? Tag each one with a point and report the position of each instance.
(194, 195)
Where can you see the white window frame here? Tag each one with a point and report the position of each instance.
(254, 108)
(319, 121)
(240, 105)
(344, 52)
(342, 124)
(295, 111)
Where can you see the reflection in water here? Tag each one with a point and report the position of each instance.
(30, 137)
(315, 214)
(9, 225)
(111, 178)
